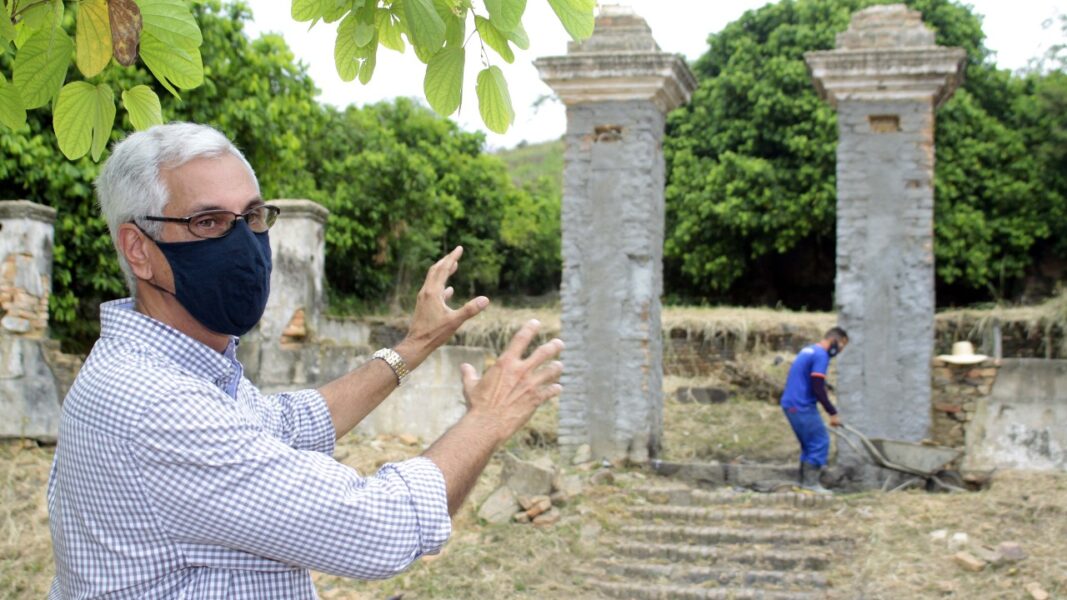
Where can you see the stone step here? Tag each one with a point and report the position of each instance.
(685, 496)
(772, 559)
(638, 591)
(690, 574)
(730, 535)
(698, 514)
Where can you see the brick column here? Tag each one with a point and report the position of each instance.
(886, 78)
(29, 394)
(617, 86)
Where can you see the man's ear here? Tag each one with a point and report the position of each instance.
(133, 244)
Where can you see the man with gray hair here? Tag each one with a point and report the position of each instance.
(175, 477)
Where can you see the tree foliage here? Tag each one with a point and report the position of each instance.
(402, 184)
(751, 189)
(166, 37)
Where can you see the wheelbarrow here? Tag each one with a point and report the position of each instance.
(918, 460)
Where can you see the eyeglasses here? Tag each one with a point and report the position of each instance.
(219, 223)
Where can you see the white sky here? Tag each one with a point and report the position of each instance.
(1014, 31)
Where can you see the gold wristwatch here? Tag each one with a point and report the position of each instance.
(395, 362)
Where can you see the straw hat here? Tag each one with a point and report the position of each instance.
(963, 354)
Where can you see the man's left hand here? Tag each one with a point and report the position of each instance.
(835, 421)
(434, 322)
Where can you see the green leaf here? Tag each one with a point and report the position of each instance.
(518, 37)
(456, 30)
(443, 83)
(389, 31)
(142, 104)
(40, 15)
(7, 28)
(426, 27)
(309, 10)
(348, 55)
(366, 70)
(505, 14)
(93, 37)
(83, 118)
(338, 9)
(576, 16)
(12, 114)
(492, 36)
(173, 67)
(363, 34)
(170, 44)
(494, 101)
(170, 22)
(41, 65)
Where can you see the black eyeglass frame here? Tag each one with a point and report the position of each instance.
(270, 220)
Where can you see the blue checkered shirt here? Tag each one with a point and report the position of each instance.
(175, 477)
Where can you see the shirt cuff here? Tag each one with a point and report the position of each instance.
(426, 488)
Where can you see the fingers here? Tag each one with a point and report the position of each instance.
(521, 340)
(439, 273)
(449, 292)
(469, 310)
(470, 378)
(544, 352)
(548, 375)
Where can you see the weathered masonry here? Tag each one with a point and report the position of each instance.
(618, 86)
(886, 78)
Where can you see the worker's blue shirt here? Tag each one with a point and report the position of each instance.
(811, 361)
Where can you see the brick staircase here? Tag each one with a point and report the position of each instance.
(685, 543)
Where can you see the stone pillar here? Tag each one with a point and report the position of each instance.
(29, 395)
(886, 78)
(617, 86)
(298, 249)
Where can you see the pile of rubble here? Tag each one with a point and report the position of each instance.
(973, 556)
(533, 491)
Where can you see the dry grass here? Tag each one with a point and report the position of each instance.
(1038, 321)
(739, 430)
(898, 560)
(25, 547)
(894, 560)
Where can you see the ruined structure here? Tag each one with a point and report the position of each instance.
(618, 86)
(886, 78)
(29, 393)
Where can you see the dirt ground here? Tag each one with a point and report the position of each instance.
(895, 557)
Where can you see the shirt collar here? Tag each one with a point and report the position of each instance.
(119, 319)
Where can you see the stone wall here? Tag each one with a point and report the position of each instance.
(1020, 423)
(956, 391)
(30, 393)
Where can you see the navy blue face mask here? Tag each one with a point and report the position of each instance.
(223, 282)
(834, 349)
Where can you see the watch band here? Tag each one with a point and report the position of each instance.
(395, 362)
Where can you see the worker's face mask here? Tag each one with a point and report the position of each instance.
(223, 282)
(834, 348)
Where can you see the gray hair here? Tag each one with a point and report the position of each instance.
(130, 186)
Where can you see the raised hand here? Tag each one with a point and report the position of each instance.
(506, 396)
(434, 322)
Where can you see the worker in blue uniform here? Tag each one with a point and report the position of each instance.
(804, 390)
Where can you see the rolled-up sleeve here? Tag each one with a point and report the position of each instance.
(216, 479)
(299, 419)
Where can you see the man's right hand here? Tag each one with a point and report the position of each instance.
(835, 421)
(509, 392)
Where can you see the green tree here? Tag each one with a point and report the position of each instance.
(45, 38)
(751, 181)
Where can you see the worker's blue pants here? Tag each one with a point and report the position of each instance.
(811, 433)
